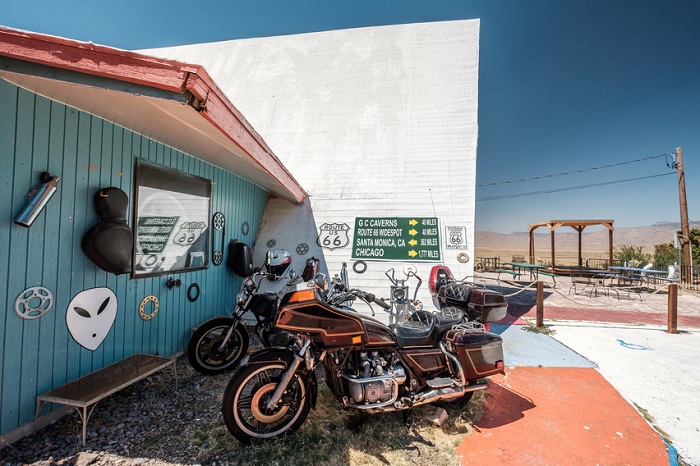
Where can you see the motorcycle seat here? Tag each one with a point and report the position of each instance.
(420, 329)
(448, 317)
(458, 293)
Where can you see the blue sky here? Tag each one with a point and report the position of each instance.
(564, 86)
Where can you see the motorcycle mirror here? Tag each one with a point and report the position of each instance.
(321, 282)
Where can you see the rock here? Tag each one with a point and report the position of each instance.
(85, 459)
(438, 417)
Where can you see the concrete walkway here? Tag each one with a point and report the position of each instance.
(655, 371)
(609, 392)
(625, 339)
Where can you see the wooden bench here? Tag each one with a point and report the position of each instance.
(511, 272)
(96, 386)
(549, 274)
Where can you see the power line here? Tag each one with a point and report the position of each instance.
(569, 188)
(583, 170)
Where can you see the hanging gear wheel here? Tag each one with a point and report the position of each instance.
(33, 302)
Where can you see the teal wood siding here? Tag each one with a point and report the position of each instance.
(88, 153)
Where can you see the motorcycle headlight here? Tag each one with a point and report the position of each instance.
(399, 294)
(242, 296)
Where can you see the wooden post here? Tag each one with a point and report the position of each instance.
(673, 308)
(540, 304)
(685, 228)
(580, 234)
(552, 241)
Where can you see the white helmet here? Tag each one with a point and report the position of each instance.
(278, 261)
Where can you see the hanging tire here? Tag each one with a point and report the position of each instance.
(245, 403)
(204, 349)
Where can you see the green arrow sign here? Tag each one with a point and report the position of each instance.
(396, 238)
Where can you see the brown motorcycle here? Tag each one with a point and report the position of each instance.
(369, 366)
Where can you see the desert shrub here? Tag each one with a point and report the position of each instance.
(664, 255)
(632, 255)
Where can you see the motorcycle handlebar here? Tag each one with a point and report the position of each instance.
(381, 303)
(373, 299)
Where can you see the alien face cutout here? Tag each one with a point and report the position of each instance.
(90, 316)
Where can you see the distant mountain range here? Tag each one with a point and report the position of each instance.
(593, 239)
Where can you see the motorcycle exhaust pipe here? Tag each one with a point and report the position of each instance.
(37, 199)
(449, 393)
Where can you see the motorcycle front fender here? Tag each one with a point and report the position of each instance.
(285, 356)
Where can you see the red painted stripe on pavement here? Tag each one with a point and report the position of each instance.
(547, 416)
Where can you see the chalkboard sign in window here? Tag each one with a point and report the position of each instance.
(171, 219)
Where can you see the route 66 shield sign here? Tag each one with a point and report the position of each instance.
(333, 235)
(456, 237)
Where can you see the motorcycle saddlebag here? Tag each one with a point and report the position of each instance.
(240, 258)
(490, 304)
(480, 304)
(480, 353)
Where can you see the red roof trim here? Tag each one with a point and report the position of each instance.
(169, 75)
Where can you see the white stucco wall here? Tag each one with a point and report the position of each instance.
(373, 122)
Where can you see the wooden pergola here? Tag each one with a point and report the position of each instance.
(579, 226)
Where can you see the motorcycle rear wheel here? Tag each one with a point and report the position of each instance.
(204, 349)
(245, 403)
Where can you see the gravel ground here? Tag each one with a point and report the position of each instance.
(151, 422)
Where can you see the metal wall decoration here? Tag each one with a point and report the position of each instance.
(171, 218)
(359, 267)
(302, 249)
(33, 302)
(463, 257)
(90, 316)
(218, 234)
(245, 228)
(271, 243)
(142, 307)
(193, 292)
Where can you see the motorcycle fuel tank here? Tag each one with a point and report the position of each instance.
(304, 312)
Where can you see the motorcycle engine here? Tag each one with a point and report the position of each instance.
(376, 380)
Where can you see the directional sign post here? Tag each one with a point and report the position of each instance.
(396, 238)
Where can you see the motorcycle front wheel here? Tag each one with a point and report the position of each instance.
(245, 409)
(205, 351)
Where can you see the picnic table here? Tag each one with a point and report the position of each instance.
(521, 268)
(641, 275)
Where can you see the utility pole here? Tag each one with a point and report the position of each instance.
(685, 228)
